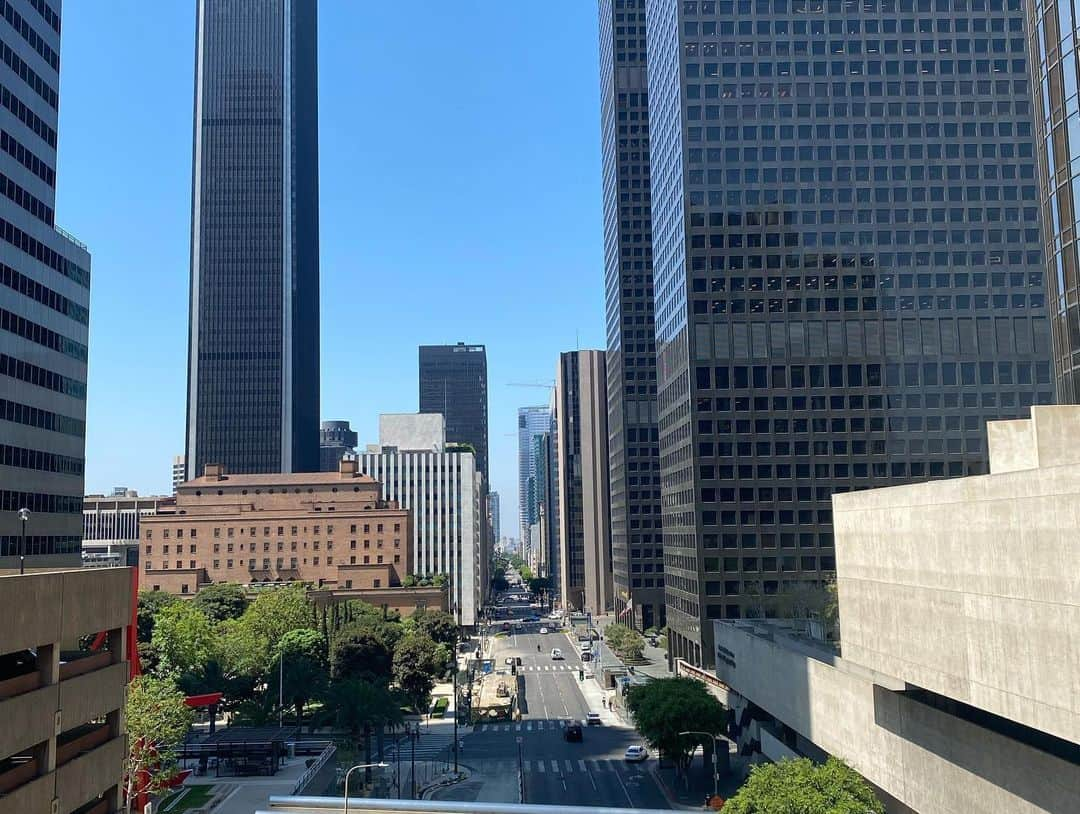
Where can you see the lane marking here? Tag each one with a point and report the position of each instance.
(540, 766)
(581, 766)
(629, 799)
(554, 765)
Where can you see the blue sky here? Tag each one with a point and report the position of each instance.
(460, 200)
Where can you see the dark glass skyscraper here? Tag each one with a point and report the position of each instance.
(848, 272)
(633, 445)
(44, 306)
(253, 347)
(453, 381)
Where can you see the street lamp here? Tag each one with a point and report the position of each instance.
(715, 757)
(24, 515)
(379, 765)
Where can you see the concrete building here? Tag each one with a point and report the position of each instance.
(848, 273)
(336, 440)
(333, 530)
(62, 743)
(584, 537)
(253, 343)
(637, 552)
(443, 490)
(956, 691)
(453, 383)
(44, 307)
(179, 471)
(111, 527)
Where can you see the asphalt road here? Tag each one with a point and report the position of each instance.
(592, 772)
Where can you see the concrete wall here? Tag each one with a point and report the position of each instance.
(971, 587)
(413, 431)
(929, 760)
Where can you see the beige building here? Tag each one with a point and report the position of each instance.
(330, 529)
(958, 687)
(62, 743)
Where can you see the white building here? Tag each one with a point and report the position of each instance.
(111, 526)
(444, 491)
(179, 471)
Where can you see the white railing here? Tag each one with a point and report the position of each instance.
(313, 770)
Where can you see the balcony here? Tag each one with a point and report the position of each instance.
(85, 664)
(80, 740)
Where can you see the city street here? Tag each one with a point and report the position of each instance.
(592, 772)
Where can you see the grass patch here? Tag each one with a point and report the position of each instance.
(194, 797)
(438, 709)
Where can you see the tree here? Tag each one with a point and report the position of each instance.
(183, 639)
(274, 613)
(439, 625)
(221, 601)
(360, 652)
(625, 641)
(359, 707)
(151, 603)
(499, 583)
(802, 787)
(416, 663)
(305, 670)
(667, 706)
(157, 721)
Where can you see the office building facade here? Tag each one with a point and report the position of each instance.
(336, 440)
(44, 307)
(1051, 31)
(849, 275)
(179, 471)
(532, 421)
(633, 443)
(253, 345)
(453, 382)
(110, 534)
(494, 520)
(584, 530)
(444, 492)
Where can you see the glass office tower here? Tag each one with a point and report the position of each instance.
(253, 365)
(633, 446)
(1052, 30)
(44, 307)
(453, 382)
(848, 271)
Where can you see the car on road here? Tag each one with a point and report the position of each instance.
(532, 618)
(543, 630)
(506, 626)
(636, 754)
(573, 733)
(586, 655)
(556, 654)
(593, 719)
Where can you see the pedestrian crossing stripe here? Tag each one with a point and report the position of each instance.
(550, 766)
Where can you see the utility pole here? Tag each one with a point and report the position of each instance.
(456, 639)
(412, 772)
(281, 688)
(521, 772)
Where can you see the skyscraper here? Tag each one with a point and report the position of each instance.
(584, 535)
(633, 444)
(44, 308)
(253, 344)
(453, 381)
(848, 273)
(336, 438)
(493, 515)
(532, 422)
(1051, 30)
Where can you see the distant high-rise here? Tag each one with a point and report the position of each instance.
(44, 308)
(633, 443)
(253, 344)
(848, 274)
(584, 516)
(453, 381)
(336, 438)
(493, 514)
(179, 471)
(532, 421)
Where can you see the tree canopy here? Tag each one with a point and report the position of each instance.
(359, 651)
(439, 625)
(183, 639)
(803, 787)
(665, 707)
(221, 601)
(304, 670)
(151, 603)
(157, 721)
(416, 662)
(625, 641)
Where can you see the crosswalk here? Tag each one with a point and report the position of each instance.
(555, 766)
(523, 726)
(431, 746)
(554, 668)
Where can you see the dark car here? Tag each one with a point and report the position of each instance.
(573, 733)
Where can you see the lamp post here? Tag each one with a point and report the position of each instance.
(24, 515)
(715, 757)
(379, 765)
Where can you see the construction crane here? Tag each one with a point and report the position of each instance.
(531, 384)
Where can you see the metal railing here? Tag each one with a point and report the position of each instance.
(66, 234)
(313, 770)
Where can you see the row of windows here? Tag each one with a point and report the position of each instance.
(836, 7)
(39, 293)
(13, 147)
(879, 470)
(27, 116)
(28, 75)
(787, 196)
(40, 460)
(253, 530)
(36, 544)
(252, 565)
(27, 32)
(869, 282)
(41, 377)
(853, 47)
(293, 546)
(965, 89)
(43, 419)
(21, 326)
(894, 401)
(798, 377)
(47, 14)
(870, 67)
(36, 249)
(12, 501)
(925, 303)
(24, 199)
(942, 259)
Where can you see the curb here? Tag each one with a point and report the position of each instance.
(464, 773)
(672, 801)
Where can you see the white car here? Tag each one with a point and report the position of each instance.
(543, 630)
(593, 719)
(636, 754)
(556, 654)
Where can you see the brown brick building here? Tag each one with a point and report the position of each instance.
(330, 529)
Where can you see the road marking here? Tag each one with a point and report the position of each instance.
(569, 767)
(517, 728)
(581, 766)
(528, 727)
(554, 765)
(540, 766)
(528, 766)
(629, 799)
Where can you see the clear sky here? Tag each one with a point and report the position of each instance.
(460, 201)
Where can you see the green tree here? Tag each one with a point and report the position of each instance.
(183, 639)
(667, 706)
(802, 787)
(439, 625)
(274, 613)
(625, 641)
(151, 603)
(358, 651)
(359, 708)
(416, 663)
(305, 671)
(157, 721)
(221, 601)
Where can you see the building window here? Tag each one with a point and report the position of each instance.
(191, 549)
(397, 559)
(149, 534)
(217, 563)
(379, 529)
(217, 532)
(367, 560)
(217, 548)
(230, 548)
(377, 583)
(352, 529)
(149, 565)
(329, 560)
(314, 560)
(165, 533)
(149, 549)
(228, 564)
(348, 583)
(397, 526)
(352, 560)
(229, 531)
(191, 564)
(379, 560)
(179, 533)
(184, 588)
(292, 562)
(191, 533)
(165, 548)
